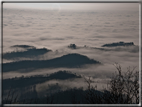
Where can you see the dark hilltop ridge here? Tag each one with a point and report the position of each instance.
(72, 46)
(22, 46)
(73, 60)
(118, 44)
(20, 82)
(30, 52)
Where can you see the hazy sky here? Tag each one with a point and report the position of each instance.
(74, 6)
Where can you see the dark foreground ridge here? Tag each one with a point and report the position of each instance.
(118, 44)
(69, 96)
(69, 61)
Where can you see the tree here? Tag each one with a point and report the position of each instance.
(123, 88)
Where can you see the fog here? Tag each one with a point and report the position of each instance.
(29, 34)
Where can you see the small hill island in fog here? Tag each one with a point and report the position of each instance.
(118, 44)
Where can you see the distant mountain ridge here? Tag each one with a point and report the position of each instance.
(22, 46)
(69, 61)
(118, 44)
(31, 52)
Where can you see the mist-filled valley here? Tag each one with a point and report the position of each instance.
(50, 53)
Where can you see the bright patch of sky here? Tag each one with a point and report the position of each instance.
(74, 6)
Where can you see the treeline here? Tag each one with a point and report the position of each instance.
(123, 88)
(21, 82)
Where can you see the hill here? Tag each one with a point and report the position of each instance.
(68, 61)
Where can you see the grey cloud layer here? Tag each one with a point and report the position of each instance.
(53, 25)
(55, 30)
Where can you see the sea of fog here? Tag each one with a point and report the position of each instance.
(56, 30)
